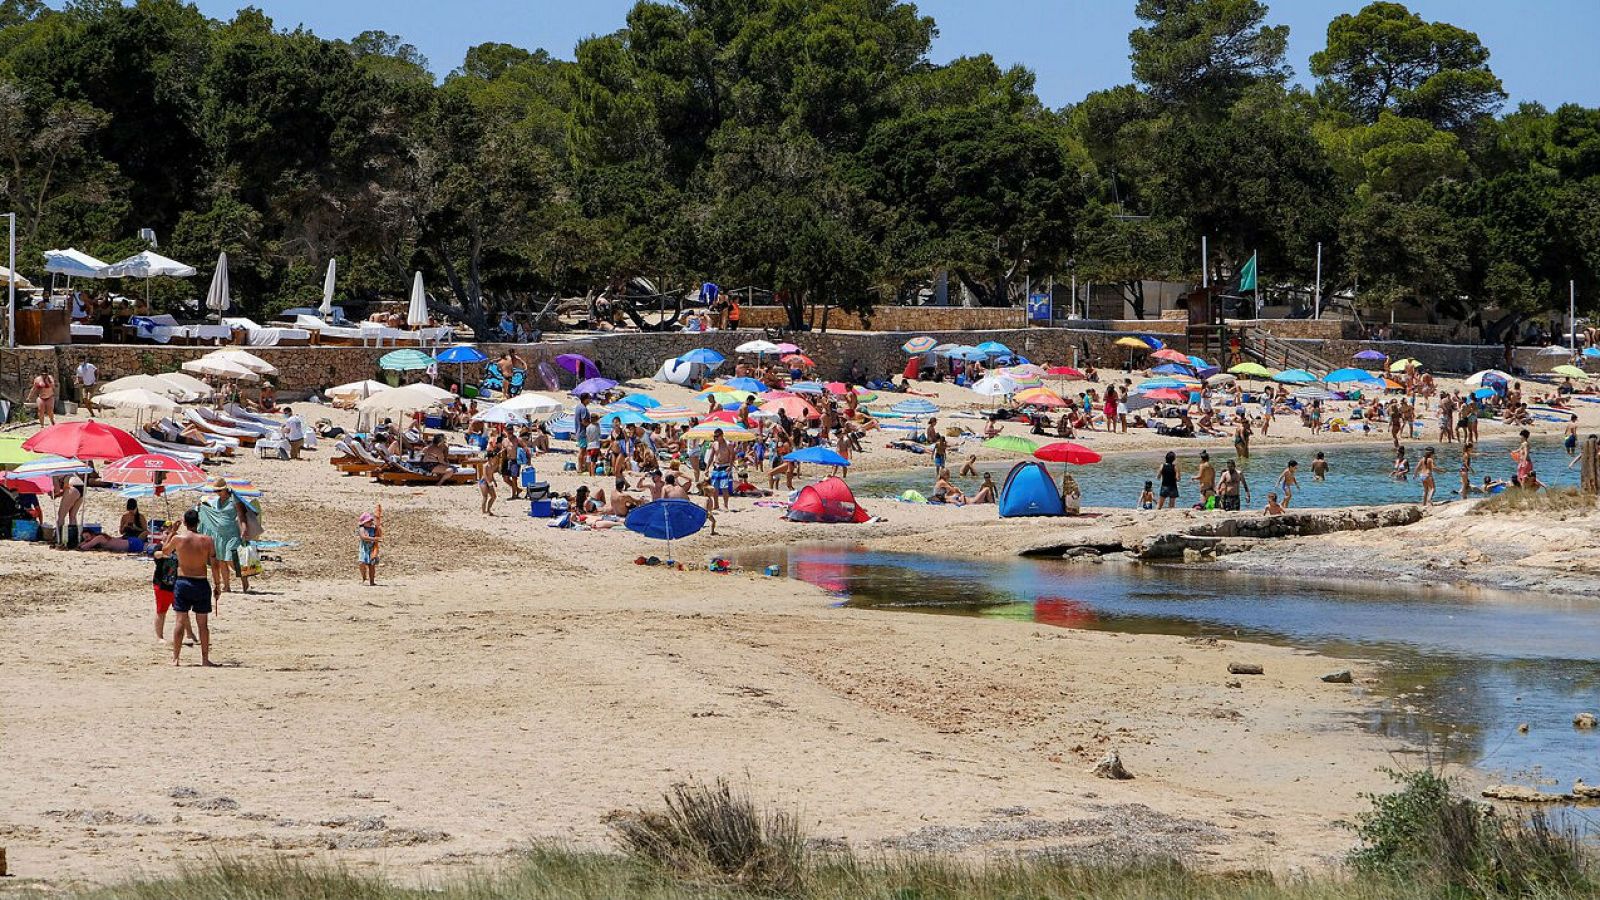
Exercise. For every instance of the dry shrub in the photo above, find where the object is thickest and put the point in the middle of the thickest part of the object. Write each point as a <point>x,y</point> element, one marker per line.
<point>715,834</point>
<point>1545,502</point>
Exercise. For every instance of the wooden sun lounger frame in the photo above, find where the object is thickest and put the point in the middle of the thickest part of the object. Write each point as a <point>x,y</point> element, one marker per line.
<point>403,476</point>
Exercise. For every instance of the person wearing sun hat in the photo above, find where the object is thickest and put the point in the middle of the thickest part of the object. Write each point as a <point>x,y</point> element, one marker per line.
<point>223,519</point>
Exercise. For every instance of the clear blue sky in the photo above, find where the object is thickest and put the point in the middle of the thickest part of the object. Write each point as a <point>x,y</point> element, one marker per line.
<point>1543,50</point>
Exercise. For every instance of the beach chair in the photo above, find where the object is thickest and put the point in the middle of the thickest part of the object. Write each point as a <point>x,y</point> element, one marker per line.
<point>395,474</point>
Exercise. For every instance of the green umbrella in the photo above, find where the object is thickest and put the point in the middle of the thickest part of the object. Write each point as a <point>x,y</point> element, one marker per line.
<point>1010,443</point>
<point>407,360</point>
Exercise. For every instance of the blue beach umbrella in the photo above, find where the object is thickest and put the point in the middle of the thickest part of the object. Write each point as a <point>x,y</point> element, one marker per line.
<point>820,455</point>
<point>1156,384</point>
<point>1371,355</point>
<point>1484,393</point>
<point>1347,376</point>
<point>1172,369</point>
<point>704,356</point>
<point>747,385</point>
<point>808,387</point>
<point>993,348</point>
<point>640,401</point>
<point>666,520</point>
<point>462,353</point>
<point>624,417</point>
<point>1295,376</point>
<point>914,408</point>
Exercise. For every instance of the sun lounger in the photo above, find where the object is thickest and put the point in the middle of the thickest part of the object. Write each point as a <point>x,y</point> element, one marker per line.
<point>184,452</point>
<point>246,438</point>
<point>397,473</point>
<point>355,459</point>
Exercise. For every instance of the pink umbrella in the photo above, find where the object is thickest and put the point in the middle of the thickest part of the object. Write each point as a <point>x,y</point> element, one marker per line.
<point>153,468</point>
<point>796,407</point>
<point>787,347</point>
<point>1171,355</point>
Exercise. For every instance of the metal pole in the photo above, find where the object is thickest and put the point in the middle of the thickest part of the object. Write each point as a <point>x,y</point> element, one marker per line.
<point>1205,266</point>
<point>11,282</point>
<point>1256,257</point>
<point>1318,296</point>
<point>1572,312</point>
<point>1073,310</point>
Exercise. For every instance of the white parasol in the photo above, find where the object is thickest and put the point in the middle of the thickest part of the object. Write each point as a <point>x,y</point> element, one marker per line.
<point>327,290</point>
<point>417,313</point>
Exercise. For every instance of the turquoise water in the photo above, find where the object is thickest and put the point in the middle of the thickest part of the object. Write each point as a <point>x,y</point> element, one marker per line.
<point>1359,473</point>
<point>1462,669</point>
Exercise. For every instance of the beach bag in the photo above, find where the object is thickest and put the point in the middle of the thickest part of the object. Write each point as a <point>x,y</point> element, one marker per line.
<point>249,560</point>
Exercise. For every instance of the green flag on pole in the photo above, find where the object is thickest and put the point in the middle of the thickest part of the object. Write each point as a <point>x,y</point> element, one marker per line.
<point>1247,275</point>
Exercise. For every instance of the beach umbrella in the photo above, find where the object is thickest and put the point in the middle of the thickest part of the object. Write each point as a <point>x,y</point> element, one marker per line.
<point>759,348</point>
<point>190,385</point>
<point>74,263</point>
<point>6,276</point>
<point>994,348</point>
<point>360,390</point>
<point>914,408</point>
<point>1040,397</point>
<point>84,440</point>
<point>402,399</point>
<point>994,386</point>
<point>1347,376</point>
<point>1295,376</point>
<point>1568,370</point>
<point>149,383</point>
<point>592,386</point>
<point>1487,377</point>
<point>798,359</point>
<point>494,415</point>
<point>1219,378</point>
<point>531,404</point>
<point>670,414</point>
<point>796,407</point>
<point>1199,363</point>
<point>244,358</point>
<point>417,309</point>
<point>1251,370</point>
<point>640,401</point>
<point>821,456</point>
<point>38,484</point>
<point>1484,393</point>
<point>786,347</point>
<point>666,520</point>
<point>941,349</point>
<point>1591,353</point>
<point>406,360</point>
<point>1555,350</point>
<point>1168,394</point>
<point>968,354</point>
<point>217,297</point>
<point>326,307</point>
<point>1064,372</point>
<point>1132,343</point>
<point>1011,443</point>
<point>581,366</point>
<point>1067,452</point>
<point>461,354</point>
<point>1371,356</point>
<point>624,417</point>
<point>733,434</point>
<point>1156,384</point>
<point>153,469</point>
<point>1173,369</point>
<point>150,264</point>
<point>703,356</point>
<point>1170,356</point>
<point>919,345</point>
<point>746,385</point>
<point>808,387</point>
<point>53,466</point>
<point>220,368</point>
<point>1400,365</point>
<point>12,454</point>
<point>137,400</point>
<point>723,416</point>
<point>1314,393</point>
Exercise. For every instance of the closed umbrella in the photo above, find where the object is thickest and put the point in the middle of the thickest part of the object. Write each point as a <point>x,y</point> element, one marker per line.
<point>326,307</point>
<point>417,311</point>
<point>217,299</point>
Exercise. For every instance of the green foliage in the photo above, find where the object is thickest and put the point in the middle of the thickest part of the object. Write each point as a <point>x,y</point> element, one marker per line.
<point>712,834</point>
<point>1387,58</point>
<point>806,146</point>
<point>1425,833</point>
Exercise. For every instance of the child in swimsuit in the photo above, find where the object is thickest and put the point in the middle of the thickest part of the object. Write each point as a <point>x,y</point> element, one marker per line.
<point>369,533</point>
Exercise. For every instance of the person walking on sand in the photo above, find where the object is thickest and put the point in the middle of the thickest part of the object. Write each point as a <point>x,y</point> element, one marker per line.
<point>190,591</point>
<point>369,535</point>
<point>85,377</point>
<point>224,519</point>
<point>1425,469</point>
<point>488,467</point>
<point>43,390</point>
<point>294,432</point>
<point>1168,477</point>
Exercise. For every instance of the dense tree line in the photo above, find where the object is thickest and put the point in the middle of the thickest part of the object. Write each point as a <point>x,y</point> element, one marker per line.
<point>808,146</point>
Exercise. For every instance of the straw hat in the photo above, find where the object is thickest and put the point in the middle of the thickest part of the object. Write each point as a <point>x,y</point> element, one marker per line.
<point>219,483</point>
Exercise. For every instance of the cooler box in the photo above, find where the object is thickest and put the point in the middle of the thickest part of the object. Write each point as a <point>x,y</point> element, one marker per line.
<point>28,529</point>
<point>481,441</point>
<point>529,478</point>
<point>539,509</point>
<point>538,490</point>
<point>434,422</point>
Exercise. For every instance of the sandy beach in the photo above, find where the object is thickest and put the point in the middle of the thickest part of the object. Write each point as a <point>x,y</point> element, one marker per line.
<point>507,682</point>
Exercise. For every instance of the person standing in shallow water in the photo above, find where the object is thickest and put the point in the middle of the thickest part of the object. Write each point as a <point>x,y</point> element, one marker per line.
<point>1168,476</point>
<point>1425,469</point>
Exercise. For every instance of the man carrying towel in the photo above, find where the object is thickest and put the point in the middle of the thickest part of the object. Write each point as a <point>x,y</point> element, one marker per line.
<point>191,593</point>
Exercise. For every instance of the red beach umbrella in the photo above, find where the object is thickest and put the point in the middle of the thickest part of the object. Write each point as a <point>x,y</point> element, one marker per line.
<point>154,468</point>
<point>84,440</point>
<point>1067,452</point>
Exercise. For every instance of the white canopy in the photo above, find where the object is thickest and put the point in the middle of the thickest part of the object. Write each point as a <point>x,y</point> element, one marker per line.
<point>359,389</point>
<point>137,399</point>
<point>531,405</point>
<point>222,368</point>
<point>217,298</point>
<point>404,399</point>
<point>244,358</point>
<point>758,347</point>
<point>5,278</point>
<point>143,383</point>
<point>191,385</point>
<point>74,263</point>
<point>417,312</point>
<point>327,289</point>
<point>148,264</point>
